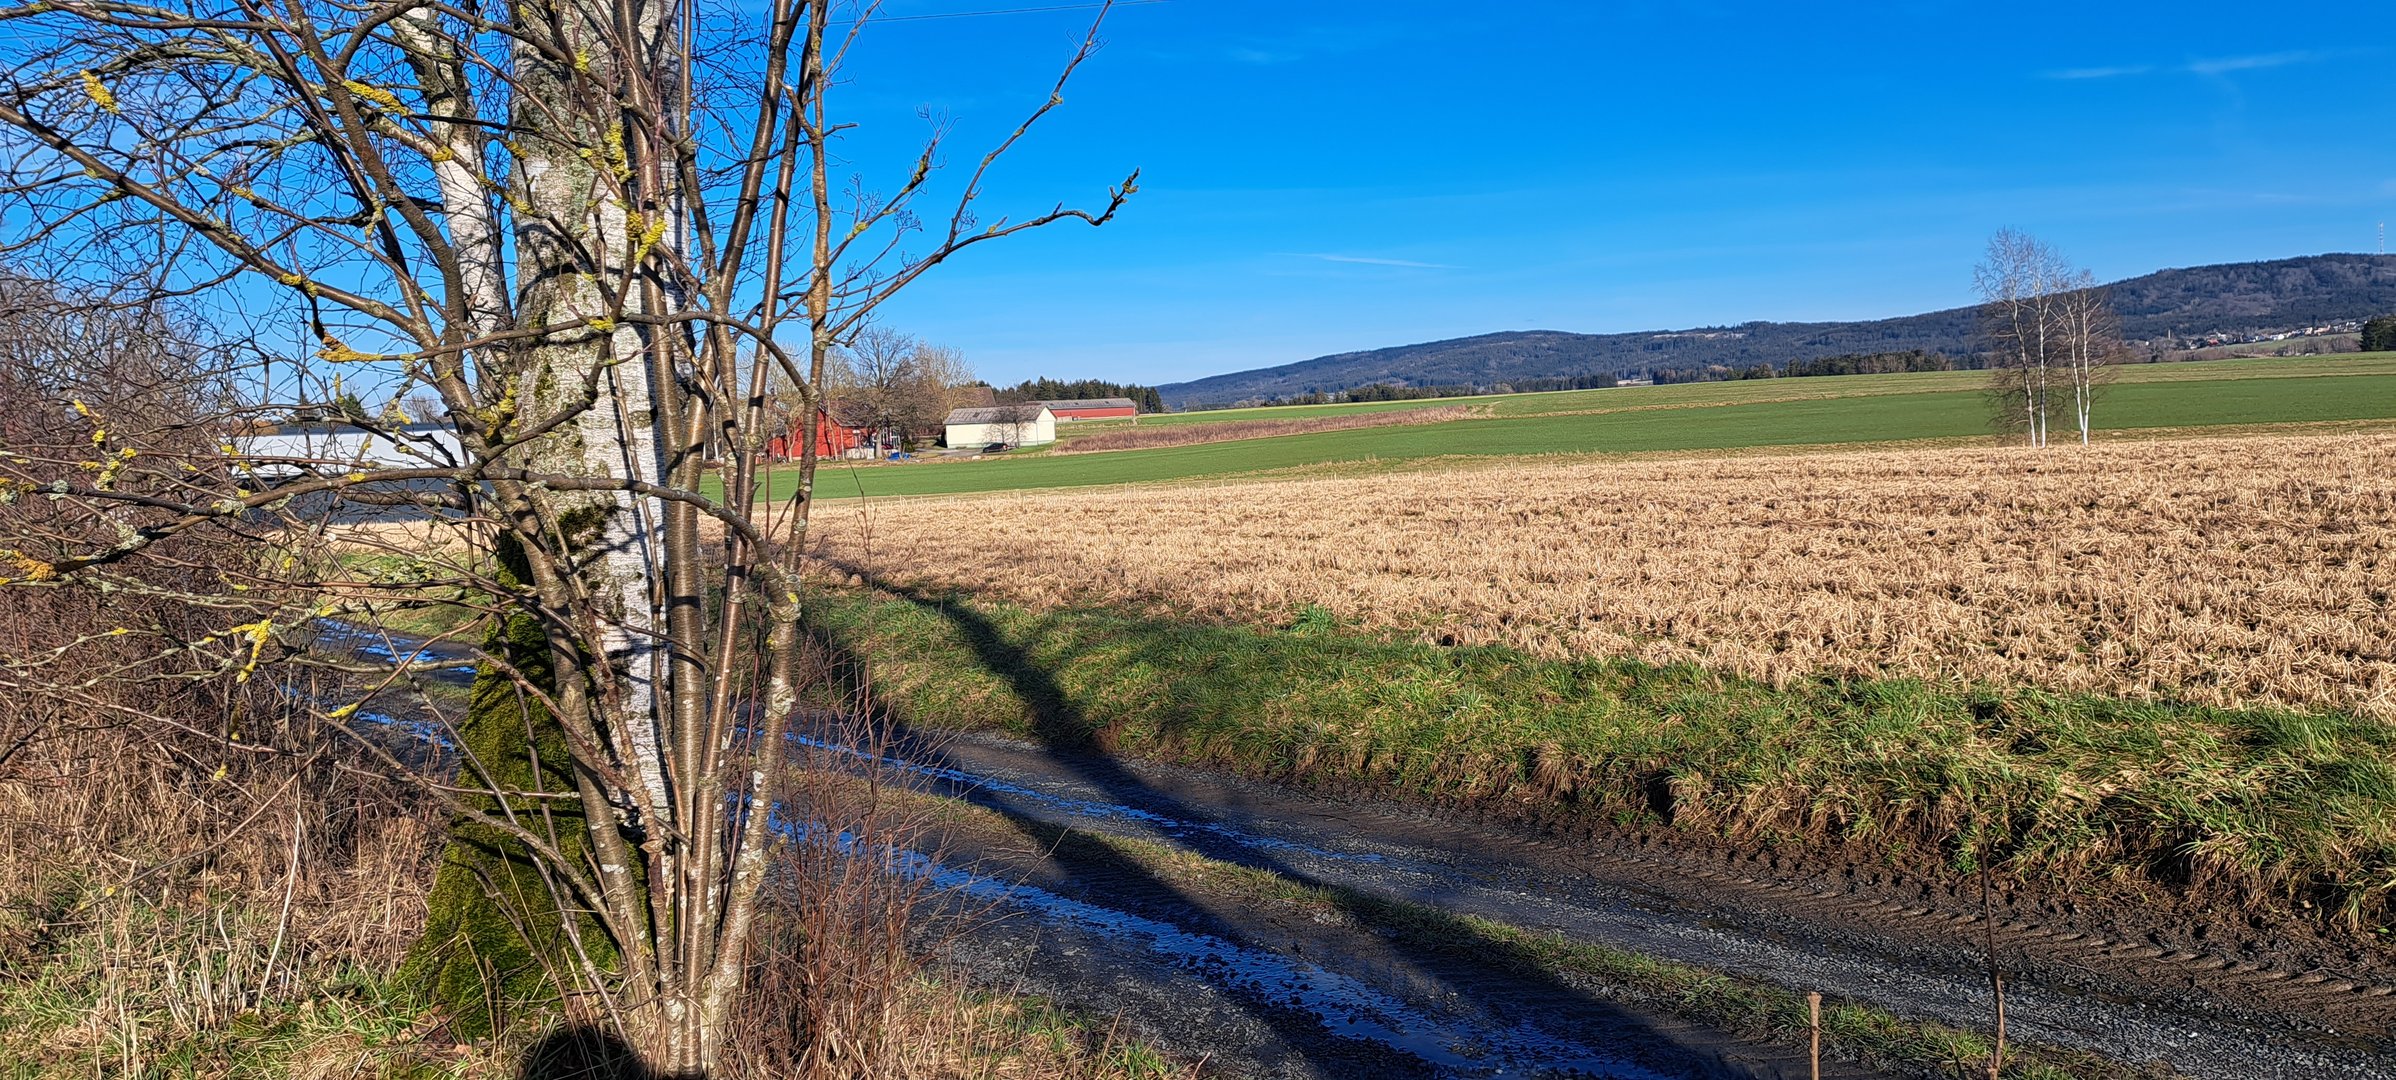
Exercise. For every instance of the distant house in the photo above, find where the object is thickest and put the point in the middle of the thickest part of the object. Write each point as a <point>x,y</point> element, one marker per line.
<point>1105,408</point>
<point>331,447</point>
<point>841,429</point>
<point>1028,424</point>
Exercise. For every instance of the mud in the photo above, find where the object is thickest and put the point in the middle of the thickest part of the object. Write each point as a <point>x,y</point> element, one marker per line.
<point>1917,958</point>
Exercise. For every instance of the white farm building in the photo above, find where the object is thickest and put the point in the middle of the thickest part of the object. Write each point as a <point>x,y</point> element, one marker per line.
<point>332,447</point>
<point>1029,424</point>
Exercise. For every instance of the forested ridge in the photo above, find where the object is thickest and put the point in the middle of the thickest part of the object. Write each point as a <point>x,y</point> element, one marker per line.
<point>2170,306</point>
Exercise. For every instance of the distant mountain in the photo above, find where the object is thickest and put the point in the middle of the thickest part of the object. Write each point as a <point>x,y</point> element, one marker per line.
<point>2233,301</point>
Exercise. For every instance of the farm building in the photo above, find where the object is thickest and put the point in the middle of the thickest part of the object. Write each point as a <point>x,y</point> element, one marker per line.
<point>1105,408</point>
<point>1028,424</point>
<point>331,447</point>
<point>835,435</point>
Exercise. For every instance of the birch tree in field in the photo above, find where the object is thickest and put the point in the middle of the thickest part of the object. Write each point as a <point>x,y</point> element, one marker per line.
<point>2051,337</point>
<point>2092,346</point>
<point>597,256</point>
<point>2022,325</point>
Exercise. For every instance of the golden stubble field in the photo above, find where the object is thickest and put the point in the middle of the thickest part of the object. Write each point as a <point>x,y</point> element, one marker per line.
<point>2230,571</point>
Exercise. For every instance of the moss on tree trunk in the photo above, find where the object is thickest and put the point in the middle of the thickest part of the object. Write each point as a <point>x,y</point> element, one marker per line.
<point>494,946</point>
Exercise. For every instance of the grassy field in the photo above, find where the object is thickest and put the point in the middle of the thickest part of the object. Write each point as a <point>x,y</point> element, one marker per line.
<point>2228,570</point>
<point>1779,412</point>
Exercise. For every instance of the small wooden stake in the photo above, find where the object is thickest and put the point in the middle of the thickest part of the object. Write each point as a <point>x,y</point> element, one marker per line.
<point>1813,1012</point>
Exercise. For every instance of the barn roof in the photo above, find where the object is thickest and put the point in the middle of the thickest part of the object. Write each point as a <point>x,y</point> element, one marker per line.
<point>1092,403</point>
<point>999,414</point>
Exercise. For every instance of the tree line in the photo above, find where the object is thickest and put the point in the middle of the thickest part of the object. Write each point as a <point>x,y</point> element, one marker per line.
<point>1387,391</point>
<point>1047,389</point>
<point>2379,334</point>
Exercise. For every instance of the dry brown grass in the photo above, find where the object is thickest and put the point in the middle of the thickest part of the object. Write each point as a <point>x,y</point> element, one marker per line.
<point>2234,571</point>
<point>1149,438</point>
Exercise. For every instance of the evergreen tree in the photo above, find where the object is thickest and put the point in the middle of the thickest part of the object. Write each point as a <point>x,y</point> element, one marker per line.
<point>2379,335</point>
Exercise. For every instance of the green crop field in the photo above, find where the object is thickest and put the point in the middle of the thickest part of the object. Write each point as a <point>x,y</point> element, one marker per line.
<point>1702,416</point>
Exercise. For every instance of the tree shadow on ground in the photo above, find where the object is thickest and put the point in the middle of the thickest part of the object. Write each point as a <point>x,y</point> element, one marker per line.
<point>1501,976</point>
<point>582,1052</point>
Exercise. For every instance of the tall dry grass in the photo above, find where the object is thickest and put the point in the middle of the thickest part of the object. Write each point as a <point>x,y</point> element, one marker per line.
<point>2229,571</point>
<point>1149,438</point>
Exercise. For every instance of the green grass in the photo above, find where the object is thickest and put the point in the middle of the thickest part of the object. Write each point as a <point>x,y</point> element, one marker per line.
<point>2257,807</point>
<point>1704,416</point>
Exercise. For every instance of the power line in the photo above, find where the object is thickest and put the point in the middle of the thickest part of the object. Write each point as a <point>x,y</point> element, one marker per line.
<point>1009,11</point>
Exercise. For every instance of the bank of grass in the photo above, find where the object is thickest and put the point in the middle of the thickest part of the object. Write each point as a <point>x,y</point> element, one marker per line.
<point>2257,808</point>
<point>144,987</point>
<point>1707,416</point>
<point>248,953</point>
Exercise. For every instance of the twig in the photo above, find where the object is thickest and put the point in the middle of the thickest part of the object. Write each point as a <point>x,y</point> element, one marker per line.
<point>1813,1012</point>
<point>1996,977</point>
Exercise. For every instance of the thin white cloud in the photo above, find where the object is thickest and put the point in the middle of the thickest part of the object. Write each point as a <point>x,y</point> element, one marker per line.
<point>1369,260</point>
<point>2225,64</point>
<point>2218,65</point>
<point>1247,55</point>
<point>2100,72</point>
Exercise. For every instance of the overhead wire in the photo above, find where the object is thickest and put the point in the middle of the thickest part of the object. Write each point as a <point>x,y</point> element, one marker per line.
<point>1010,11</point>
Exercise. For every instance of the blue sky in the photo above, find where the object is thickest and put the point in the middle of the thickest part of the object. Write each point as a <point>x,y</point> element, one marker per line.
<point>1326,176</point>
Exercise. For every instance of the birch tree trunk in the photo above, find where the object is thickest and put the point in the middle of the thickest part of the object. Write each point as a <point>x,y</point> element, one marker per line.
<point>513,209</point>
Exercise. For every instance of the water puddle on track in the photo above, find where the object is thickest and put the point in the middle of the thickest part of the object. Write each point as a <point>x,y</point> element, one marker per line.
<point>371,644</point>
<point>1001,792</point>
<point>1453,1042</point>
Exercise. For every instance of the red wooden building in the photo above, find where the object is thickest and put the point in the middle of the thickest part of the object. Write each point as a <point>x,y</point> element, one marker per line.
<point>1092,408</point>
<point>832,439</point>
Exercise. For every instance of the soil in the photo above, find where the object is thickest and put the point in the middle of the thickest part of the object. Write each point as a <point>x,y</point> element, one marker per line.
<point>2167,991</point>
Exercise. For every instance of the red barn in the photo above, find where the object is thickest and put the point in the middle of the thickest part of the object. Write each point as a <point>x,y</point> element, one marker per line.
<point>1105,408</point>
<point>832,439</point>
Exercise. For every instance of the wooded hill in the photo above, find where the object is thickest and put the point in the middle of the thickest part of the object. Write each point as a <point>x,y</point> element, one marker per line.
<point>2170,307</point>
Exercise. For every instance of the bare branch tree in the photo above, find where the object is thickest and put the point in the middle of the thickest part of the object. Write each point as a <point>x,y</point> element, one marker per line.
<point>2022,323</point>
<point>592,253</point>
<point>898,382</point>
<point>2049,330</point>
<point>2092,346</point>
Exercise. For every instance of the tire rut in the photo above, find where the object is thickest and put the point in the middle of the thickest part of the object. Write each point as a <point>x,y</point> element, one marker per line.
<point>1894,942</point>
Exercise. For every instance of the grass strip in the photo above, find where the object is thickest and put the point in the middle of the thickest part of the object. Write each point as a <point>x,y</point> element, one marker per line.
<point>2270,810</point>
<point>1841,410</point>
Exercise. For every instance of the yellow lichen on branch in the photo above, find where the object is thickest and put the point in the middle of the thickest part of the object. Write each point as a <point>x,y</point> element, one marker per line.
<point>384,99</point>
<point>338,353</point>
<point>99,93</point>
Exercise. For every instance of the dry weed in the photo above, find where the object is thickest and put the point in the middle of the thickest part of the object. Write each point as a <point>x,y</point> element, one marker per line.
<point>1148,438</point>
<point>2232,571</point>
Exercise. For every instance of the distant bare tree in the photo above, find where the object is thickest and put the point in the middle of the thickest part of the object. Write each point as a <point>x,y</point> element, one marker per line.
<point>899,382</point>
<point>2034,307</point>
<point>2092,347</point>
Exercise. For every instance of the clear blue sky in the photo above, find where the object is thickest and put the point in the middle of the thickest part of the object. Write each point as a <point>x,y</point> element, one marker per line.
<point>1326,176</point>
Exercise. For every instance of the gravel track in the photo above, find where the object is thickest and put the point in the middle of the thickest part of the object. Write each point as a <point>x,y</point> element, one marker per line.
<point>2193,1013</point>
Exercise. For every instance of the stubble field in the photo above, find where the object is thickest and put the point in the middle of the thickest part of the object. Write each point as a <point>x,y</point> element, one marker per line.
<point>2233,571</point>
